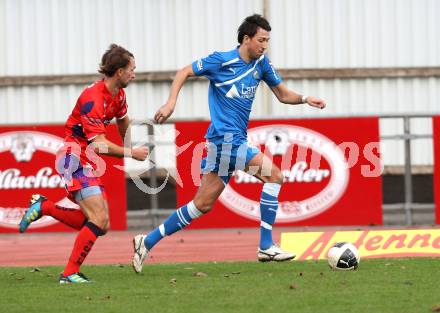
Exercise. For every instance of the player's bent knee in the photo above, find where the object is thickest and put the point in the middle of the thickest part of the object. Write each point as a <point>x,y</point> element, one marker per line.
<point>101,220</point>
<point>203,206</point>
<point>103,224</point>
<point>277,178</point>
<point>280,178</point>
<point>105,228</point>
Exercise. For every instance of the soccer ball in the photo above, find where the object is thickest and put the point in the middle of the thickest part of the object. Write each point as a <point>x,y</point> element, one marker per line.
<point>343,256</point>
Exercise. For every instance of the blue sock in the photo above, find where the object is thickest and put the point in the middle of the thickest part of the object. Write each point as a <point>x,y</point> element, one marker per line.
<point>175,222</point>
<point>268,213</point>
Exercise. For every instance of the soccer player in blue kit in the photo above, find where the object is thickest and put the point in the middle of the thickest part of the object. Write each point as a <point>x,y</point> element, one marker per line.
<point>234,77</point>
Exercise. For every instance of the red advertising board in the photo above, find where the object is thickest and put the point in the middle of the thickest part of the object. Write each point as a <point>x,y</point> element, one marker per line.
<point>332,173</point>
<point>27,166</point>
<point>436,140</point>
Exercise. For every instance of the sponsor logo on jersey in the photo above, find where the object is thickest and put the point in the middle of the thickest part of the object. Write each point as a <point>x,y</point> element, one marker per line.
<point>244,93</point>
<point>233,92</point>
<point>248,92</point>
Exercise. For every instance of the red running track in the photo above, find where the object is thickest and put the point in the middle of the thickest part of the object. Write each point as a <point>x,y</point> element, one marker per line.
<point>40,249</point>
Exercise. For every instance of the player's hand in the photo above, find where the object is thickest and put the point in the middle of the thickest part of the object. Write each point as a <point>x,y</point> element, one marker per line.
<point>140,153</point>
<point>163,113</point>
<point>316,102</point>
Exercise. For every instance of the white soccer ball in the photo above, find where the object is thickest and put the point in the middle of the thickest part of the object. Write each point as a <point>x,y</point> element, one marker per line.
<point>343,256</point>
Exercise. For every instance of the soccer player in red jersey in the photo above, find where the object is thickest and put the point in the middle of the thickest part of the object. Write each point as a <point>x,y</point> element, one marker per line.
<point>78,163</point>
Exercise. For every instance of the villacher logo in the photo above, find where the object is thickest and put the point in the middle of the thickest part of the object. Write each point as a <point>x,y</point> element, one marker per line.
<point>322,173</point>
<point>27,159</point>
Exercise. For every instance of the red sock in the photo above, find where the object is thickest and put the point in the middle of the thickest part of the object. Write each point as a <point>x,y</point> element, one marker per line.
<point>70,217</point>
<point>83,244</point>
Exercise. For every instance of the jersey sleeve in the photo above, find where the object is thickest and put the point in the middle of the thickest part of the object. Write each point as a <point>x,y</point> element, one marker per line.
<point>92,116</point>
<point>123,109</point>
<point>208,65</point>
<point>270,75</point>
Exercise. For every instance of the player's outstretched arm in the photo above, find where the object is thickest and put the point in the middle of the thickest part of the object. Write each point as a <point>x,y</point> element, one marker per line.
<point>285,95</point>
<point>167,109</point>
<point>104,146</point>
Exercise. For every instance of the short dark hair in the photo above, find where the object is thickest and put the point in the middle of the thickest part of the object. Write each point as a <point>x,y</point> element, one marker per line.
<point>250,25</point>
<point>114,58</point>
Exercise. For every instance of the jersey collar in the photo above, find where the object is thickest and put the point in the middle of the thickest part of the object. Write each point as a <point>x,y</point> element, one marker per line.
<point>107,94</point>
<point>239,56</point>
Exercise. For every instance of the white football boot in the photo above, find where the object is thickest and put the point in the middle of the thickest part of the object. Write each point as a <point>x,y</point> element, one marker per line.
<point>274,253</point>
<point>140,253</point>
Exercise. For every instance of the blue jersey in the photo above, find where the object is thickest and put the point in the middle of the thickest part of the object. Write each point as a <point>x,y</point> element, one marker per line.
<point>232,88</point>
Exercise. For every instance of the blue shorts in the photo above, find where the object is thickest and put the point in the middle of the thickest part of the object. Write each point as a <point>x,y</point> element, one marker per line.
<point>225,157</point>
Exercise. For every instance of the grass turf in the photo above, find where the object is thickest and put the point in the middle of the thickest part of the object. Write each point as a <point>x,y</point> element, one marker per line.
<point>379,285</point>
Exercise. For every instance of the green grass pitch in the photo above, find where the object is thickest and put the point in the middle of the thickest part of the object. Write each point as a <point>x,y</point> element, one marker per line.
<point>379,285</point>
